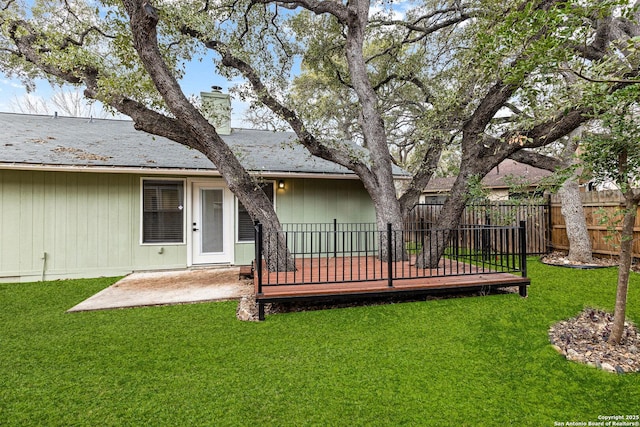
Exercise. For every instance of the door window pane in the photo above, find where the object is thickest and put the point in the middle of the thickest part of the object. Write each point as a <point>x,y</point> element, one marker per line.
<point>212,221</point>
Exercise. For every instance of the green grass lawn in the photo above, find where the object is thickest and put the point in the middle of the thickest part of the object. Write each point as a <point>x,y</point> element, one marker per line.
<point>480,361</point>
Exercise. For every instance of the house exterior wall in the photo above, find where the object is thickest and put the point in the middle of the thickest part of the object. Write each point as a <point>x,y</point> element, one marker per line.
<point>498,194</point>
<point>68,225</point>
<point>71,224</point>
<point>494,194</point>
<point>316,201</point>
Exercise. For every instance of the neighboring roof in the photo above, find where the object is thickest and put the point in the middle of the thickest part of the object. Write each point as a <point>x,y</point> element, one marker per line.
<point>36,140</point>
<point>495,179</point>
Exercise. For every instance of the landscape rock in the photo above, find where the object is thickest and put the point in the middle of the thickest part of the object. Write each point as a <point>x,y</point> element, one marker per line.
<point>572,354</point>
<point>247,309</point>
<point>584,338</point>
<point>560,258</point>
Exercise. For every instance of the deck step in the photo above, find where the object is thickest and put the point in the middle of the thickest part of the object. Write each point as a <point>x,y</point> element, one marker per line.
<point>246,272</point>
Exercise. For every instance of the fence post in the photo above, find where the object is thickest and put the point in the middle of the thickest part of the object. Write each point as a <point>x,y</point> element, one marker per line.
<point>549,233</point>
<point>258,248</point>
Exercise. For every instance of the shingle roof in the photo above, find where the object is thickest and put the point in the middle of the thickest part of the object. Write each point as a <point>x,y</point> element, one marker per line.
<point>496,177</point>
<point>64,141</point>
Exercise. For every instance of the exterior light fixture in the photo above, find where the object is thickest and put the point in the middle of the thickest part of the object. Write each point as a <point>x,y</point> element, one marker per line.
<point>281,184</point>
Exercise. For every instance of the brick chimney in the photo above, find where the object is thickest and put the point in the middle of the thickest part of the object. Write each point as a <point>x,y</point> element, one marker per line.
<point>216,107</point>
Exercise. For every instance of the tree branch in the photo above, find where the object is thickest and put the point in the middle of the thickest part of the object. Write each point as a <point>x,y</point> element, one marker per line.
<point>312,144</point>
<point>334,8</point>
<point>424,32</point>
<point>8,4</point>
<point>594,80</point>
<point>25,48</point>
<point>144,119</point>
<point>421,178</point>
<point>536,160</point>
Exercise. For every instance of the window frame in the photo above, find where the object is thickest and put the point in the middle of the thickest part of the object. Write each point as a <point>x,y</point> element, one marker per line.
<point>184,210</point>
<point>237,240</point>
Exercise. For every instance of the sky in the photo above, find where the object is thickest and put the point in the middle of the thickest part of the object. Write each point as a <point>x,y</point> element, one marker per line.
<point>199,77</point>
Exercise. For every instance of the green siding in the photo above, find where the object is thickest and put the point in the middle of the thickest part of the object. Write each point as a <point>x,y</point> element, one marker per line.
<point>10,226</point>
<point>88,224</point>
<point>316,201</point>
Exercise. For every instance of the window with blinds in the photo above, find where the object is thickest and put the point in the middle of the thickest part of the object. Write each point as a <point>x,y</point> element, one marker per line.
<point>163,211</point>
<point>245,223</point>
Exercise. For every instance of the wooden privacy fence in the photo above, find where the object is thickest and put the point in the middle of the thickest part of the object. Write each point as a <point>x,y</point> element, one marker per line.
<point>605,235</point>
<point>505,214</point>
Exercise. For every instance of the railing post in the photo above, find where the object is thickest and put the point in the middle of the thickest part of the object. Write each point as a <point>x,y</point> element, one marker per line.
<point>456,243</point>
<point>390,255</point>
<point>335,237</point>
<point>486,234</point>
<point>258,247</point>
<point>523,256</point>
<point>523,248</point>
<point>421,235</point>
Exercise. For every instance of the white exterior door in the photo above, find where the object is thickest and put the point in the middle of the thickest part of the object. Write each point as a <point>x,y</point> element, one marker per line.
<point>211,224</point>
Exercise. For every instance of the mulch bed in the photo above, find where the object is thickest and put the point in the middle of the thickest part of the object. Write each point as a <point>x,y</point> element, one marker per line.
<point>584,339</point>
<point>560,259</point>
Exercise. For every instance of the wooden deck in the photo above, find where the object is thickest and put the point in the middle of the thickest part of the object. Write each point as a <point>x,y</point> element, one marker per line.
<point>330,278</point>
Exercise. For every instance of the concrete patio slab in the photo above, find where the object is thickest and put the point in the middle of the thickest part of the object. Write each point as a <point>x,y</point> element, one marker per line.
<point>169,287</point>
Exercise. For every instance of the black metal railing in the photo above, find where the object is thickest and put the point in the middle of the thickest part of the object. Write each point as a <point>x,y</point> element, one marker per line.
<point>328,238</point>
<point>333,252</point>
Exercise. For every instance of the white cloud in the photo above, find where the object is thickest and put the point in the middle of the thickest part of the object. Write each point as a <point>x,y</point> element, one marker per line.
<point>396,11</point>
<point>396,15</point>
<point>11,83</point>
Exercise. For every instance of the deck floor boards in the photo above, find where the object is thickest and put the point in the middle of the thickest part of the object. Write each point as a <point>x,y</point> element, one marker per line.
<point>328,276</point>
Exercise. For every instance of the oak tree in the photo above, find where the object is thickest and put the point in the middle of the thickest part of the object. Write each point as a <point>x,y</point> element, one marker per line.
<point>612,154</point>
<point>410,79</point>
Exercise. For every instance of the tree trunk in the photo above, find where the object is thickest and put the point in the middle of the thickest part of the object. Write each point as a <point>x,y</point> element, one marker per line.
<point>577,232</point>
<point>144,20</point>
<point>437,238</point>
<point>626,248</point>
<point>275,251</point>
<point>388,212</point>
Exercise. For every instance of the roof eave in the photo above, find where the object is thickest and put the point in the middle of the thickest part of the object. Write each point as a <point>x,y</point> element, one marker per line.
<point>166,171</point>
